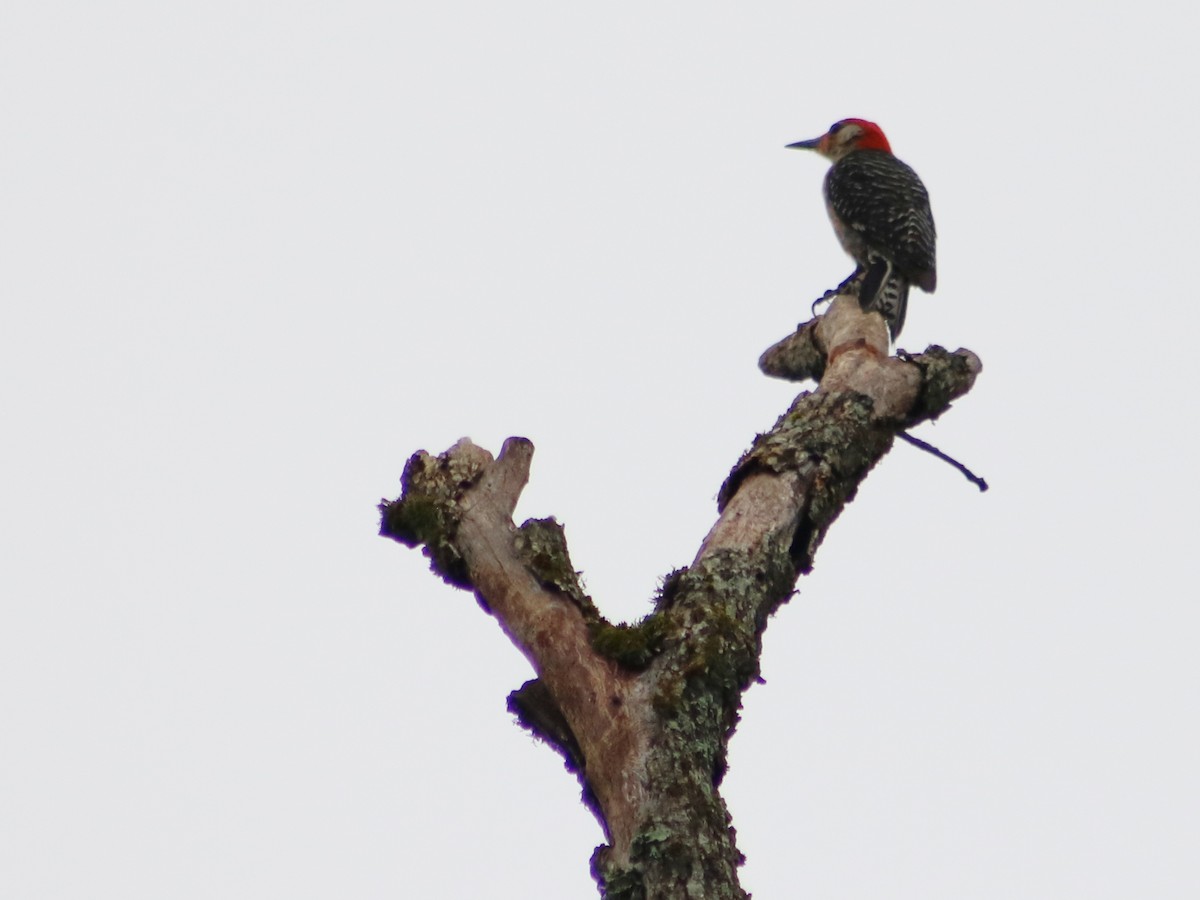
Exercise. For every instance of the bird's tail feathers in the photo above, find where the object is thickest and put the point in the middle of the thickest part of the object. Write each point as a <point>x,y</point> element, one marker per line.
<point>886,292</point>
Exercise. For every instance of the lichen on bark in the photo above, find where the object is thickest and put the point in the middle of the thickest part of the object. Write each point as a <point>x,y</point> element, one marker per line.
<point>427,511</point>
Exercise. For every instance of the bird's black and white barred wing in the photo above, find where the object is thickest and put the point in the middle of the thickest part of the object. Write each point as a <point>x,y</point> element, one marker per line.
<point>882,200</point>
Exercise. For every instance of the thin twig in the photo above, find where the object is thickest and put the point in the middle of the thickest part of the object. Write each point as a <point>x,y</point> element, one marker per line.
<point>929,448</point>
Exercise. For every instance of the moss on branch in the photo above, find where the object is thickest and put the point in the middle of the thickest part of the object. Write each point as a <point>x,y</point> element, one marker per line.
<point>542,546</point>
<point>428,512</point>
<point>945,377</point>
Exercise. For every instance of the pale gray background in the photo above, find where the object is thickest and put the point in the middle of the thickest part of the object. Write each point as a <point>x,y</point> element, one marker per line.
<point>253,255</point>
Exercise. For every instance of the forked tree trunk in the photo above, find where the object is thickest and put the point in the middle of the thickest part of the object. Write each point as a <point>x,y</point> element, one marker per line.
<point>643,713</point>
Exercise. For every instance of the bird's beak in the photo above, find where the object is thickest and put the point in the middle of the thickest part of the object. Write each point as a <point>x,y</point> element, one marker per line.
<point>814,144</point>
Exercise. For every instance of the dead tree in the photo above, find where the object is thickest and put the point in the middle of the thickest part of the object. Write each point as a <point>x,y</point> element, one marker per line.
<point>643,713</point>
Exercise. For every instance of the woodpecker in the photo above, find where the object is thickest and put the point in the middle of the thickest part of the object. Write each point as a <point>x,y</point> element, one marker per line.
<point>880,211</point>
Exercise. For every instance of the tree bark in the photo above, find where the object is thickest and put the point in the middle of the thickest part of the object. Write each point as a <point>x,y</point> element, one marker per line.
<point>643,713</point>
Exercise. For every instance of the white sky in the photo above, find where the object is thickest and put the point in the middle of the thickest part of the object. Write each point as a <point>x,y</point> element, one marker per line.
<point>253,255</point>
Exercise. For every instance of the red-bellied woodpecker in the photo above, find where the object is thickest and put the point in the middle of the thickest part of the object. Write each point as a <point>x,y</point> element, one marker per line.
<point>880,211</point>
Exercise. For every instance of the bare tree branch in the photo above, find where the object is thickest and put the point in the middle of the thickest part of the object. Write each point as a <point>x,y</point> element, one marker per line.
<point>643,713</point>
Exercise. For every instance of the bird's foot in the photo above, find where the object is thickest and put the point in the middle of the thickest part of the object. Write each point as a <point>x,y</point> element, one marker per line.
<point>827,297</point>
<point>851,282</point>
<point>849,287</point>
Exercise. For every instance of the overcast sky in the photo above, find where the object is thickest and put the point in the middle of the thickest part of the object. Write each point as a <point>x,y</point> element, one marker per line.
<point>253,255</point>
